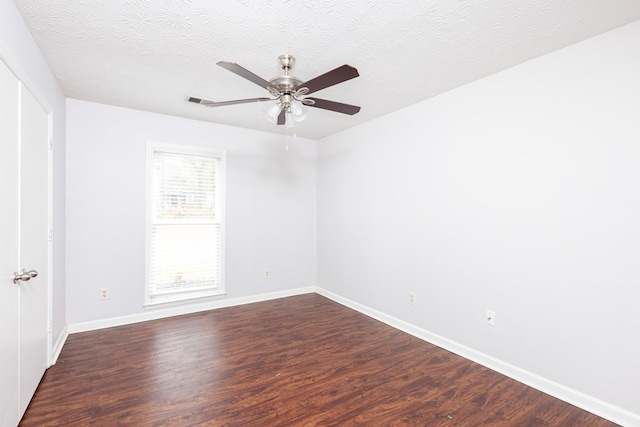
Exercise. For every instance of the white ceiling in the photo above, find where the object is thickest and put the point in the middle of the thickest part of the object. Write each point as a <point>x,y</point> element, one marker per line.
<point>152,54</point>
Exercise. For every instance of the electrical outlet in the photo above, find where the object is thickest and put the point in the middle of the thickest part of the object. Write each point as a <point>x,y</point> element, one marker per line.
<point>267,274</point>
<point>412,298</point>
<point>104,293</point>
<point>491,318</point>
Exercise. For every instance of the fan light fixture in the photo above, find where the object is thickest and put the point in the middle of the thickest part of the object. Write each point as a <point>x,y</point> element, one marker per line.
<point>294,113</point>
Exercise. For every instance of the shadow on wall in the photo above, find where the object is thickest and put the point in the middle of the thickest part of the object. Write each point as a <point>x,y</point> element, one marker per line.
<point>279,158</point>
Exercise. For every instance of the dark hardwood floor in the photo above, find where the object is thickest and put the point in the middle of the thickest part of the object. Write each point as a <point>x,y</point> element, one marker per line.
<point>298,361</point>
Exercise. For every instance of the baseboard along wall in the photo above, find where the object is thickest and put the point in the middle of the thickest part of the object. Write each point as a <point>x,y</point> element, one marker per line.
<point>169,310</point>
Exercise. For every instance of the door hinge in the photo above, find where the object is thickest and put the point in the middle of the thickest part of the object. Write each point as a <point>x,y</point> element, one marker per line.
<point>49,328</point>
<point>50,235</point>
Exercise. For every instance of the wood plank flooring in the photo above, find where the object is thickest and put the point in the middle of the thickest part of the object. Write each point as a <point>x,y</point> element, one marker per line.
<point>298,361</point>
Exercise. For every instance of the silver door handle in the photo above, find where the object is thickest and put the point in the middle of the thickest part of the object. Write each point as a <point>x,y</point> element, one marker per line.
<point>24,276</point>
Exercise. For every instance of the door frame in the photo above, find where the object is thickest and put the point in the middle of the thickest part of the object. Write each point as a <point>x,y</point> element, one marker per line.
<point>28,84</point>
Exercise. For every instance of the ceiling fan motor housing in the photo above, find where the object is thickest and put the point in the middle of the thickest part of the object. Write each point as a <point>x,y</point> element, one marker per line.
<point>285,83</point>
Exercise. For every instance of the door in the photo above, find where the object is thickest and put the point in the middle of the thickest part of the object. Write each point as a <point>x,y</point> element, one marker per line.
<point>34,244</point>
<point>24,244</point>
<point>9,298</point>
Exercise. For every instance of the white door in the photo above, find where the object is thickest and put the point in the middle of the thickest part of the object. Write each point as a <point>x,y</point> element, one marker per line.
<point>34,243</point>
<point>24,244</point>
<point>9,298</point>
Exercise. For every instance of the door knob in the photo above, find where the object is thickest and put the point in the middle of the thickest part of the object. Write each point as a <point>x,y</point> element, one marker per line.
<point>24,276</point>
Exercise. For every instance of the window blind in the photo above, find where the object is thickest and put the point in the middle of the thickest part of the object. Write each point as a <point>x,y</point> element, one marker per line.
<point>185,230</point>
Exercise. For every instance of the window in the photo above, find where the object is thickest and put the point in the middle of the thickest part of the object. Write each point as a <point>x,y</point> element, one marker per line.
<point>185,228</point>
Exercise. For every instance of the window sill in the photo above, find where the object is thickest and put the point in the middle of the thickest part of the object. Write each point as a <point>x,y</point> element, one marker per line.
<point>175,300</point>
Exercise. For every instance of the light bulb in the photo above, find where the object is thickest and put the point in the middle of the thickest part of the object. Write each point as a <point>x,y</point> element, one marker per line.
<point>271,113</point>
<point>298,111</point>
<point>289,120</point>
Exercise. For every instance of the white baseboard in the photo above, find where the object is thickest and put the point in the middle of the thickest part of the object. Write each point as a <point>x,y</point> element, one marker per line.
<point>57,347</point>
<point>574,397</point>
<point>176,310</point>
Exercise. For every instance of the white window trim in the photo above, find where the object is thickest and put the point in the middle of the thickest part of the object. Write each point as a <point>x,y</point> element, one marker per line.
<point>153,146</point>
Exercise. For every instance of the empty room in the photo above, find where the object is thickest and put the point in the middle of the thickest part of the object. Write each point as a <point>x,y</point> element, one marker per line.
<point>301,213</point>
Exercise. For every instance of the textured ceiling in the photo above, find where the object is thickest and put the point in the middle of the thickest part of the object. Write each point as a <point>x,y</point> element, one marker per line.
<point>152,54</point>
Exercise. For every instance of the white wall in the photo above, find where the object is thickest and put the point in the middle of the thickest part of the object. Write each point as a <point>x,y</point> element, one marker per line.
<point>17,44</point>
<point>518,193</point>
<point>271,207</point>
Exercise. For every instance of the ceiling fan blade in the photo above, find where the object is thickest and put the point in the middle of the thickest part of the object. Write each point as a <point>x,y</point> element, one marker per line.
<point>243,72</point>
<point>330,78</point>
<point>223,103</point>
<point>334,106</point>
<point>281,118</point>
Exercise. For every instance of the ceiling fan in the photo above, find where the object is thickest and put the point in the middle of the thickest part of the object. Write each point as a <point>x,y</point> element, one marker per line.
<point>289,92</point>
